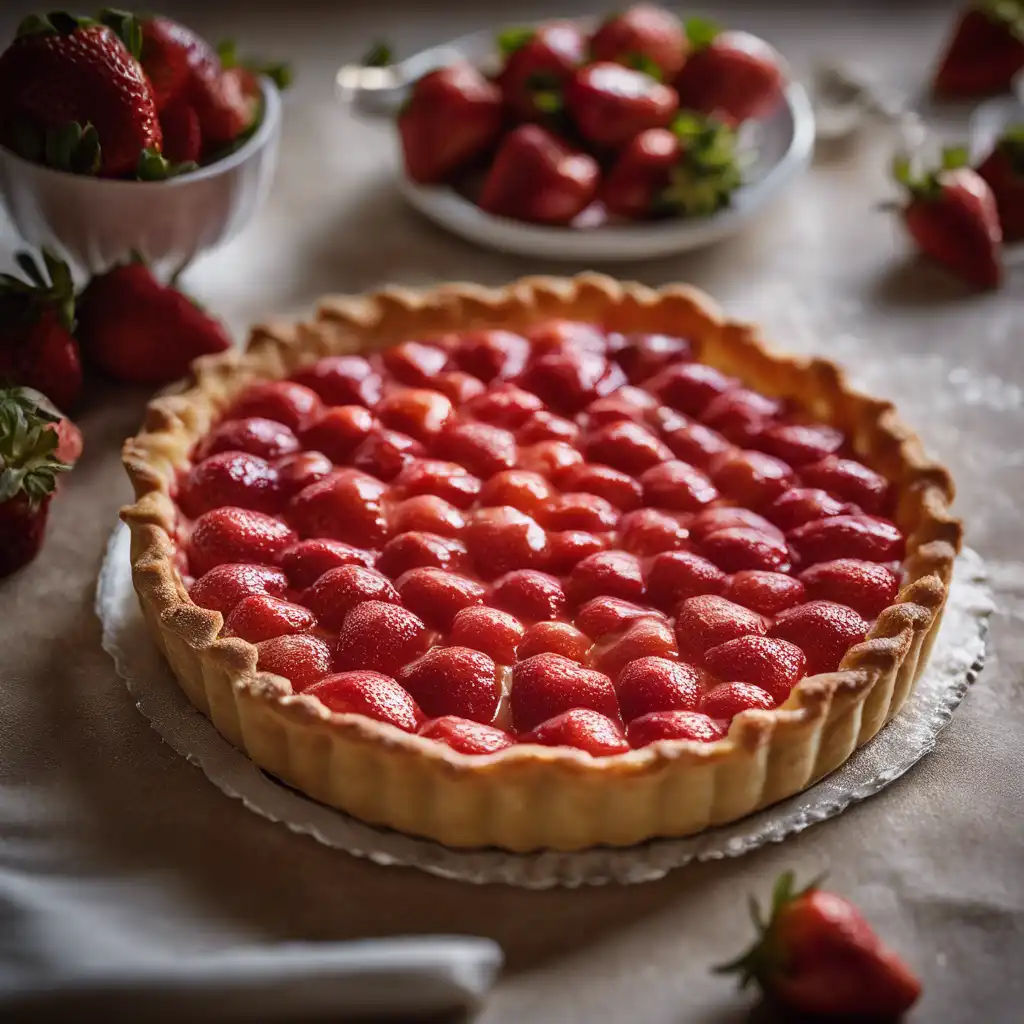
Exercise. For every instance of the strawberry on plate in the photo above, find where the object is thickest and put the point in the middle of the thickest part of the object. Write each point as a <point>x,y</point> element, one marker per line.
<point>538,62</point>
<point>74,96</point>
<point>726,74</point>
<point>175,60</point>
<point>610,104</point>
<point>452,118</point>
<point>951,215</point>
<point>816,954</point>
<point>985,52</point>
<point>37,316</point>
<point>641,173</point>
<point>1003,169</point>
<point>537,177</point>
<point>30,448</point>
<point>139,331</point>
<point>644,37</point>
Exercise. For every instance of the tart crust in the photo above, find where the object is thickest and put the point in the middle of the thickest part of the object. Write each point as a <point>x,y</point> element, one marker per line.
<point>529,797</point>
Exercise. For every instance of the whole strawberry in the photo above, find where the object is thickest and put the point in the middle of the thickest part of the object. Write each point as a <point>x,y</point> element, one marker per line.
<point>29,464</point>
<point>176,61</point>
<point>985,52</point>
<point>724,75</point>
<point>816,954</point>
<point>538,62</point>
<point>140,331</point>
<point>707,171</point>
<point>951,214</point>
<point>1003,169</point>
<point>74,96</point>
<point>37,316</point>
<point>453,117</point>
<point>644,37</point>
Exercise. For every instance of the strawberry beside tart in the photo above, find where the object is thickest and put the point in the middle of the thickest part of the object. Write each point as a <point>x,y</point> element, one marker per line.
<point>566,563</point>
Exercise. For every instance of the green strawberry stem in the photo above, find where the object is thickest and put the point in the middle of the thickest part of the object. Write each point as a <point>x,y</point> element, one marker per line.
<point>511,39</point>
<point>641,62</point>
<point>126,27</point>
<point>708,171</point>
<point>279,73</point>
<point>28,445</point>
<point>154,166</point>
<point>701,32</point>
<point>53,23</point>
<point>1009,12</point>
<point>379,55</point>
<point>1012,145</point>
<point>48,287</point>
<point>928,184</point>
<point>72,147</point>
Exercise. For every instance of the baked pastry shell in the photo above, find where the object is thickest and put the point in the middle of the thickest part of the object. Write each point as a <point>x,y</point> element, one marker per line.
<point>530,797</point>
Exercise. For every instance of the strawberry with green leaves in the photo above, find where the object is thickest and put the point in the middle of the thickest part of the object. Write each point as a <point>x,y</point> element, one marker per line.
<point>74,96</point>
<point>951,215</point>
<point>139,331</point>
<point>985,52</point>
<point>538,63</point>
<point>1003,169</point>
<point>643,37</point>
<point>816,954</point>
<point>727,75</point>
<point>37,317</point>
<point>30,449</point>
<point>453,117</point>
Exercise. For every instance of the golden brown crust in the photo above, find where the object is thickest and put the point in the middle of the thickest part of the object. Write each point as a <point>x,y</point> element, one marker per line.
<point>529,797</point>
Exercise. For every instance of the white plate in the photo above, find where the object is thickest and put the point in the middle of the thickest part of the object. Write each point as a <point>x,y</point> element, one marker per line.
<point>784,141</point>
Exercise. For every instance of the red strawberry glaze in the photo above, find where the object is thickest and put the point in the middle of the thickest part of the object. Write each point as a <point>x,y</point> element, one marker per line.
<point>496,538</point>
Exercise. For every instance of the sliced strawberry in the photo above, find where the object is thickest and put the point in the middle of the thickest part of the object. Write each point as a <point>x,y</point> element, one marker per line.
<point>657,684</point>
<point>673,725</point>
<point>582,728</point>
<point>483,449</point>
<point>519,489</point>
<point>458,387</point>
<point>281,400</point>
<point>691,441</point>
<point>538,177</point>
<point>688,387</point>
<point>295,472</point>
<point>765,592</point>
<point>302,658</point>
<point>603,615</point>
<point>866,587</point>
<point>798,443</point>
<point>567,337</point>
<point>677,485</point>
<point>225,586</point>
<point>626,446</point>
<point>644,638</point>
<point>437,595</point>
<point>503,539</point>
<point>346,506</point>
<point>338,431</point>
<point>306,561</point>
<point>569,380</point>
<point>774,665</point>
<point>607,574</point>
<point>649,531</point>
<point>643,355</point>
<point>546,426</point>
<point>385,453</point>
<point>259,618</point>
<point>426,513</point>
<point>984,54</point>
<point>674,576</point>
<point>825,631</point>
<point>258,436</point>
<point>529,595</point>
<point>230,478</point>
<point>751,478</point>
<point>742,415</point>
<point>627,403</point>
<point>951,215</point>
<point>645,37</point>
<point>567,548</point>
<point>419,412</point>
<point>726,701</point>
<point>342,380</point>
<point>728,517</point>
<point>546,685</point>
<point>504,405</point>
<point>865,537</point>
<point>236,535</point>
<point>415,549</point>
<point>708,620</point>
<point>616,487</point>
<point>452,118</point>
<point>454,681</point>
<point>496,633</point>
<point>848,480</point>
<point>372,694</point>
<point>447,480</point>
<point>338,591</point>
<point>414,363</point>
<point>741,547</point>
<point>554,638</point>
<point>492,354</point>
<point>465,736</point>
<point>380,636</point>
<point>799,505</point>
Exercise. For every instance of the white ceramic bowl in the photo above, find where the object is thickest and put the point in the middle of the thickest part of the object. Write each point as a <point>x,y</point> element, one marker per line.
<point>96,222</point>
<point>784,141</point>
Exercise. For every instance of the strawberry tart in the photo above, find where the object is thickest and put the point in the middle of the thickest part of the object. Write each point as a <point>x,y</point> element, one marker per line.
<point>567,563</point>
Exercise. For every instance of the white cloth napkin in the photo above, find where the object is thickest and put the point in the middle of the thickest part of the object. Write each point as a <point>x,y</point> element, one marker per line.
<point>65,954</point>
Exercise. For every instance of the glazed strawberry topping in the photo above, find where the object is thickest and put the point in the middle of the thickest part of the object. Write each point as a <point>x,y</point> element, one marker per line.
<point>564,536</point>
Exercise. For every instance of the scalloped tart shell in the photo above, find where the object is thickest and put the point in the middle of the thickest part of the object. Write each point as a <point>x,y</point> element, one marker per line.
<point>528,797</point>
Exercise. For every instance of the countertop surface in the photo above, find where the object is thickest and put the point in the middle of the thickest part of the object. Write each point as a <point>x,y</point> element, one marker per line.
<point>91,800</point>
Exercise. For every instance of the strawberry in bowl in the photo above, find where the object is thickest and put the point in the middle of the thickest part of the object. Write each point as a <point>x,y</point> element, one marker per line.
<point>636,136</point>
<point>107,114</point>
